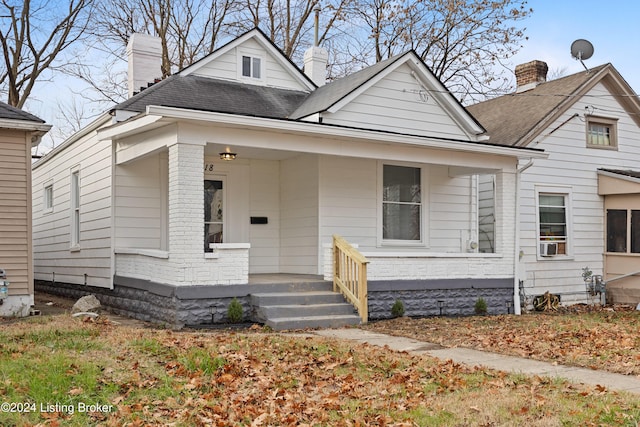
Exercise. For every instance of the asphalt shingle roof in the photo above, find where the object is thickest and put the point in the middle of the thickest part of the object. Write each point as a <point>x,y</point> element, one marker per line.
<point>13,113</point>
<point>509,118</point>
<point>325,96</point>
<point>207,94</point>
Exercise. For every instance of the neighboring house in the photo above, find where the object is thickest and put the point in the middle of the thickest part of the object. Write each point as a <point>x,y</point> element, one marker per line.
<point>580,206</point>
<point>19,132</point>
<point>240,165</point>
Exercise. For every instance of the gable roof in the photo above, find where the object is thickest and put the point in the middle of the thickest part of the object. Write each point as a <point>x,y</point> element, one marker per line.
<point>332,96</point>
<point>223,96</point>
<point>517,119</point>
<point>9,112</point>
<point>326,96</point>
<point>262,39</point>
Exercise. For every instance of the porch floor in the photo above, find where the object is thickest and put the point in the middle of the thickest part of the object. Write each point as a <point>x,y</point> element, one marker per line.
<point>272,278</point>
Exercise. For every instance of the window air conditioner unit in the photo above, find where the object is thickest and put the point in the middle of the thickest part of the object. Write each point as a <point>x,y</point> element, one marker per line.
<point>548,249</point>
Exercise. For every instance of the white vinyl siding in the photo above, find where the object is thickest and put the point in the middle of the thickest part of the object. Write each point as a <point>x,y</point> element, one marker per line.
<point>15,210</point>
<point>395,104</point>
<point>228,67</point>
<point>140,203</point>
<point>354,211</point>
<point>571,163</point>
<point>52,233</point>
<point>265,202</point>
<point>299,215</point>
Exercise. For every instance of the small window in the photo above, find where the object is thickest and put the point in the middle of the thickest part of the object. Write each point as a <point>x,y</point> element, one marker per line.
<point>601,132</point>
<point>251,67</point>
<point>75,208</point>
<point>552,217</point>
<point>48,198</point>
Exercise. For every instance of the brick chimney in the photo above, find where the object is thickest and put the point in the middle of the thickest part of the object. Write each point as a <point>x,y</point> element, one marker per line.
<point>144,55</point>
<point>529,75</point>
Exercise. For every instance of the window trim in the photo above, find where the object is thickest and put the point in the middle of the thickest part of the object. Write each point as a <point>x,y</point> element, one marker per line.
<point>47,197</point>
<point>611,123</point>
<point>424,235</point>
<point>252,56</point>
<point>555,191</point>
<point>75,192</point>
<point>222,178</point>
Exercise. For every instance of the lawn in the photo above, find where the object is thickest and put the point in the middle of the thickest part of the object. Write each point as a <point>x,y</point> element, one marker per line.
<point>60,371</point>
<point>581,335</point>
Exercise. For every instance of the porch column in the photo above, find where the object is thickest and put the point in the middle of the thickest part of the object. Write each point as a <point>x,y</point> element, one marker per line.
<point>505,211</point>
<point>186,206</point>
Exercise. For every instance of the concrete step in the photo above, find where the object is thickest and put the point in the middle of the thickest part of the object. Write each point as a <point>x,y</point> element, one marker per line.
<point>333,321</point>
<point>296,298</point>
<point>301,308</point>
<point>277,311</point>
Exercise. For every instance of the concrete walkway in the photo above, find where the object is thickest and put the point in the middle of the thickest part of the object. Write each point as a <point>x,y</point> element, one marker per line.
<point>499,362</point>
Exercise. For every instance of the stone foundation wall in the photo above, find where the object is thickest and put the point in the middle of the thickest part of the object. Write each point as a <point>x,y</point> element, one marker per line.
<point>420,298</point>
<point>157,303</point>
<point>179,306</point>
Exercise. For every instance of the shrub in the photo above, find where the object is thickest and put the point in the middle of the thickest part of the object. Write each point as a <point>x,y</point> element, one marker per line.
<point>397,310</point>
<point>235,311</point>
<point>481,306</point>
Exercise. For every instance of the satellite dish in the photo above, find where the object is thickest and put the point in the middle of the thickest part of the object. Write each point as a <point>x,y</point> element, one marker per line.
<point>582,49</point>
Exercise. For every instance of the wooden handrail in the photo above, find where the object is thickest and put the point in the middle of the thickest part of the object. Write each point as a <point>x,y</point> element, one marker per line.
<point>350,275</point>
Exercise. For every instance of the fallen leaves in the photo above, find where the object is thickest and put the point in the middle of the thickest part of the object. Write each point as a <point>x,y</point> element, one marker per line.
<point>578,335</point>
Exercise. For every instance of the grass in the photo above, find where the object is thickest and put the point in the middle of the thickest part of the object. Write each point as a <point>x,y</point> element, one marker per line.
<point>160,377</point>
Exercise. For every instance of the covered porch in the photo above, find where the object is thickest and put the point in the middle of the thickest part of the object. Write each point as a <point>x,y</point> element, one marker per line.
<point>186,215</point>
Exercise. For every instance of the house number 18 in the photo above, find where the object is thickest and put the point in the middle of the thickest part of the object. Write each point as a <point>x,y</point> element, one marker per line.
<point>208,167</point>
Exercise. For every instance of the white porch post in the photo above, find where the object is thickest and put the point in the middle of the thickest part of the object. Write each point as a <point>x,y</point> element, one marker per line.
<point>186,207</point>
<point>506,209</point>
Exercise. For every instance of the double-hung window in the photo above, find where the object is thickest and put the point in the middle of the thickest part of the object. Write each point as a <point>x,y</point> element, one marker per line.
<point>251,66</point>
<point>553,223</point>
<point>401,204</point>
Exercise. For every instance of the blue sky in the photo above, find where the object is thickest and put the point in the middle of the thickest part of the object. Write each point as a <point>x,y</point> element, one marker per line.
<point>611,26</point>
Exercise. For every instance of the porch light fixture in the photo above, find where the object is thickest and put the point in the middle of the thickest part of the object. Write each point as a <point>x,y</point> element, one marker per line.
<point>440,305</point>
<point>228,156</point>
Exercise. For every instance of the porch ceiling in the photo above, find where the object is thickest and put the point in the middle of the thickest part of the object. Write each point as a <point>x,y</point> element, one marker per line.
<point>213,150</point>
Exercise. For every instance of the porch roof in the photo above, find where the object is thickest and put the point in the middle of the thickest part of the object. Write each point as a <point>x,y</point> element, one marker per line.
<point>207,94</point>
<point>333,136</point>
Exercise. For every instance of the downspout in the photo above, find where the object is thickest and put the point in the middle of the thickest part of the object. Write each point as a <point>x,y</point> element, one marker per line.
<point>516,280</point>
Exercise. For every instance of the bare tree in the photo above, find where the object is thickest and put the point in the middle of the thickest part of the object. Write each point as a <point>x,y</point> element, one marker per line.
<point>33,35</point>
<point>287,23</point>
<point>464,42</point>
<point>188,29</point>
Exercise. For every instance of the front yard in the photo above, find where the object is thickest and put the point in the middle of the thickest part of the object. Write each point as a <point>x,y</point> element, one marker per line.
<point>60,371</point>
<point>593,337</point>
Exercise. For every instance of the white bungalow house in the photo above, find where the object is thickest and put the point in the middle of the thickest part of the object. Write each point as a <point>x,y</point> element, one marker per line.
<point>239,166</point>
<point>580,207</point>
<point>19,132</point>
